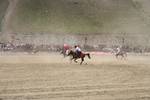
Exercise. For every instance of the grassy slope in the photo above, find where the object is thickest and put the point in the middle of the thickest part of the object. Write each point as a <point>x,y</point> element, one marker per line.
<point>3,7</point>
<point>79,16</point>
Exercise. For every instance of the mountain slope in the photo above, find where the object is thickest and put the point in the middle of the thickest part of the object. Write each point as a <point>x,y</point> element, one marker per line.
<point>80,16</point>
<point>3,7</point>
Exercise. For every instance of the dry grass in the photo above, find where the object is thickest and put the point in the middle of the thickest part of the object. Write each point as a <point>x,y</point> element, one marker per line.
<point>51,77</point>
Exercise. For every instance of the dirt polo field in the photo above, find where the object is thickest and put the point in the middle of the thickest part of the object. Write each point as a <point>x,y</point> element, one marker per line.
<point>49,76</point>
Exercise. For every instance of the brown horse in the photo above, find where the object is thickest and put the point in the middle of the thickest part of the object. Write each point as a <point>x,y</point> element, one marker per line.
<point>75,56</point>
<point>64,49</point>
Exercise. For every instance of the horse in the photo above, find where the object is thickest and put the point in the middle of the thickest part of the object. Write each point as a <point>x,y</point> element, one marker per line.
<point>75,56</point>
<point>123,54</point>
<point>64,50</point>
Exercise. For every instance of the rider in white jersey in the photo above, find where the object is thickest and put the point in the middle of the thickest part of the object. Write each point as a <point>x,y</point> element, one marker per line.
<point>118,50</point>
<point>77,50</point>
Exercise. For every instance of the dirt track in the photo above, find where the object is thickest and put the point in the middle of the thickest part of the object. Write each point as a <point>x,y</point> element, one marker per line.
<point>51,77</point>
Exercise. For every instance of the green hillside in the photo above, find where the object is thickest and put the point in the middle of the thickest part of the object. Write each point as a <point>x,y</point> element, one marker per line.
<point>3,7</point>
<point>80,16</point>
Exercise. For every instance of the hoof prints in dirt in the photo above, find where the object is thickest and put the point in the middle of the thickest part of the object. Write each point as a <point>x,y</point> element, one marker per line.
<point>121,92</point>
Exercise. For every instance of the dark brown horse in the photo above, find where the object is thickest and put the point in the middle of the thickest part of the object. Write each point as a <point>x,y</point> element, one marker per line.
<point>75,56</point>
<point>123,54</point>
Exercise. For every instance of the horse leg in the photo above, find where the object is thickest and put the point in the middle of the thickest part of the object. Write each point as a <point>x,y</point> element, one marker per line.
<point>116,56</point>
<point>125,56</point>
<point>75,60</point>
<point>88,55</point>
<point>82,59</point>
<point>64,55</point>
<point>122,56</point>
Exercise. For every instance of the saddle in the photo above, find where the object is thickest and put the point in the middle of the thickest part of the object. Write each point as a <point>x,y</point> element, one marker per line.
<point>80,54</point>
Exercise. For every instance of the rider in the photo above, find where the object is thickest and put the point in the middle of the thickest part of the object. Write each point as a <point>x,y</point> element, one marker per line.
<point>77,50</point>
<point>118,50</point>
<point>65,47</point>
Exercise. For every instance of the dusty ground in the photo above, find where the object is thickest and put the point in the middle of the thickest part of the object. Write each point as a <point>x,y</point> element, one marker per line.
<point>51,77</point>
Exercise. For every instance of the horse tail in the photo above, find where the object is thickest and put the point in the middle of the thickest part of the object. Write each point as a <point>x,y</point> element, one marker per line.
<point>88,55</point>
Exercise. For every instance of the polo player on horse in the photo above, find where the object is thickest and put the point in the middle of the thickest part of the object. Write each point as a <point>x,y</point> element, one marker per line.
<point>77,50</point>
<point>64,49</point>
<point>120,52</point>
<point>77,53</point>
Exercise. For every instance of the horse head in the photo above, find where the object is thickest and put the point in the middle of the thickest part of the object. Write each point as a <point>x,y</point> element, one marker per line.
<point>69,52</point>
